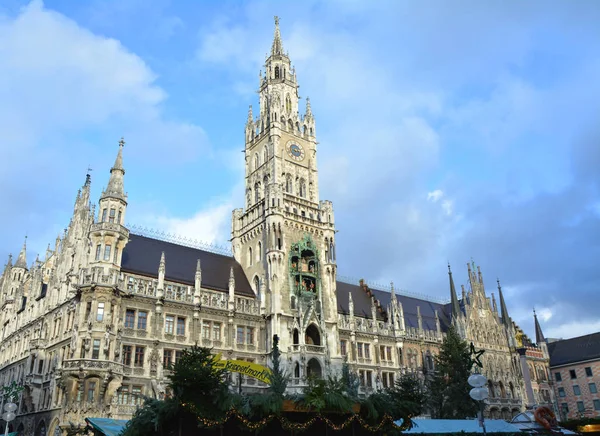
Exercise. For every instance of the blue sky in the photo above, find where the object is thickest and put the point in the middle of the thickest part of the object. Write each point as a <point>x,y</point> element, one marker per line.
<point>447,131</point>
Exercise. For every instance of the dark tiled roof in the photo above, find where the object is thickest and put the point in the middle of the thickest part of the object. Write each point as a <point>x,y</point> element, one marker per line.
<point>362,302</point>
<point>142,256</point>
<point>574,350</point>
<point>362,306</point>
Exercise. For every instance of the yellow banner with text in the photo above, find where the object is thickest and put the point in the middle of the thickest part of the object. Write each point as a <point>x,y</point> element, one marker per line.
<point>250,369</point>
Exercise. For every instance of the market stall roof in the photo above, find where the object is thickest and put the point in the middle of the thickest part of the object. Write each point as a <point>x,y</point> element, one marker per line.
<point>106,426</point>
<point>460,425</point>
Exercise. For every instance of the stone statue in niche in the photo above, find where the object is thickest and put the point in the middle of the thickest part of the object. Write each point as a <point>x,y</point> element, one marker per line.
<point>118,344</point>
<point>107,339</point>
<point>154,360</point>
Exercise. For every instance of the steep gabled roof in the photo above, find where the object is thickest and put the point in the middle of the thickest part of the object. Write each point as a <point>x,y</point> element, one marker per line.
<point>142,256</point>
<point>362,306</point>
<point>574,350</point>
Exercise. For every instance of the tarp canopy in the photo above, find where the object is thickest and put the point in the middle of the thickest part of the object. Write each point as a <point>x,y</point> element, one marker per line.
<point>107,426</point>
<point>458,425</point>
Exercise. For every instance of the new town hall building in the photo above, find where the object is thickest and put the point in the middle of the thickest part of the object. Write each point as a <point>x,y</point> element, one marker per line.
<point>90,329</point>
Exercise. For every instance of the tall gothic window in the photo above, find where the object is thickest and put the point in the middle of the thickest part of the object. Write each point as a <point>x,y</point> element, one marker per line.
<point>256,161</point>
<point>277,72</point>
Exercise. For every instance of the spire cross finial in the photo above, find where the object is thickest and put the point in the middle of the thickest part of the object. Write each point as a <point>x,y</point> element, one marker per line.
<point>89,168</point>
<point>276,20</point>
<point>122,142</point>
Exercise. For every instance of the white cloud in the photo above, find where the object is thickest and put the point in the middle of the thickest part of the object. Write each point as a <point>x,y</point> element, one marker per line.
<point>435,195</point>
<point>57,78</point>
<point>210,225</point>
<point>446,204</point>
<point>66,96</point>
<point>572,329</point>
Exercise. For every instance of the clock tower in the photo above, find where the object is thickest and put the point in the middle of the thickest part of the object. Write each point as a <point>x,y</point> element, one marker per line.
<point>285,236</point>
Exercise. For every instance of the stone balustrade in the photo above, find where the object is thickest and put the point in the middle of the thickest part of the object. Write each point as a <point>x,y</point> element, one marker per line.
<point>91,364</point>
<point>109,228</point>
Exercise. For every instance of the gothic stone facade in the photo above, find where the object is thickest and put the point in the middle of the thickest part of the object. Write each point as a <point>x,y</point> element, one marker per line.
<point>93,326</point>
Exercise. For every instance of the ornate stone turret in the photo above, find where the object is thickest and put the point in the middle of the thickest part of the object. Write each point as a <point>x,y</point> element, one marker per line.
<point>109,235</point>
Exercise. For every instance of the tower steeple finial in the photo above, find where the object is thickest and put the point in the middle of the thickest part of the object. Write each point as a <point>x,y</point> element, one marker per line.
<point>22,259</point>
<point>277,47</point>
<point>250,115</point>
<point>539,335</point>
<point>503,309</point>
<point>453,297</point>
<point>308,108</point>
<point>115,182</point>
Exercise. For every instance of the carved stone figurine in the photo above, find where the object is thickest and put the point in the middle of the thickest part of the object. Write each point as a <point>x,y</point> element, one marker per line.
<point>107,339</point>
<point>118,345</point>
<point>154,360</point>
<point>74,339</point>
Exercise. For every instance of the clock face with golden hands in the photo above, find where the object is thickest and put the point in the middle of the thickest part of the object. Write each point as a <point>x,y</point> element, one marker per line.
<point>295,151</point>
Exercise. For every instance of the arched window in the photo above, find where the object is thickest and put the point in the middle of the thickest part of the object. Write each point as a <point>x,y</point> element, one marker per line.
<point>256,192</point>
<point>259,251</point>
<point>265,154</point>
<point>297,370</point>
<point>256,161</point>
<point>313,368</point>
<point>296,337</point>
<point>288,184</point>
<point>302,189</point>
<point>277,72</point>
<point>250,259</point>
<point>312,337</point>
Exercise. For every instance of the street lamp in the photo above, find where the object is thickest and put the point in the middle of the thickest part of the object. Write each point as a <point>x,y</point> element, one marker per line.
<point>479,393</point>
<point>9,414</point>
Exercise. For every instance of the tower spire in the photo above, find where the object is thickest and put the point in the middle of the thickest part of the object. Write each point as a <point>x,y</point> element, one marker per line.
<point>115,182</point>
<point>22,259</point>
<point>453,297</point>
<point>539,335</point>
<point>503,309</point>
<point>277,47</point>
<point>308,112</point>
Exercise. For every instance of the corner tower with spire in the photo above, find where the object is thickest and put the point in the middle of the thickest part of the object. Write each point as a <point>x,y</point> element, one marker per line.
<point>285,236</point>
<point>108,234</point>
